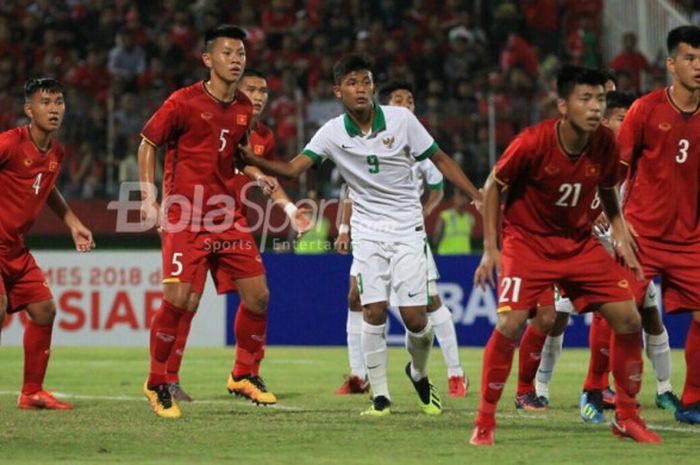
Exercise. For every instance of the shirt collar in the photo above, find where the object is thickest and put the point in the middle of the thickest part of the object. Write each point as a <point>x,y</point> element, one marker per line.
<point>378,123</point>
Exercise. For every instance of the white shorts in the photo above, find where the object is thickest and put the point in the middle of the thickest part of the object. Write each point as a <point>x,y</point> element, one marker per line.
<point>386,268</point>
<point>433,273</point>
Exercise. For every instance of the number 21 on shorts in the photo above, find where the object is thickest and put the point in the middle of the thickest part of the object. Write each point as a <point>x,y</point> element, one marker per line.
<point>510,290</point>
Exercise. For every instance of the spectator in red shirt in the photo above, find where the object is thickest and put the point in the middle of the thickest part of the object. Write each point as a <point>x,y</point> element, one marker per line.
<point>631,60</point>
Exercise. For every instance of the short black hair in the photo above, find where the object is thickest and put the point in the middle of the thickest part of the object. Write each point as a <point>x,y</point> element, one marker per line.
<point>34,85</point>
<point>571,76</point>
<point>348,64</point>
<point>686,34</point>
<point>390,87</point>
<point>252,72</point>
<point>229,31</point>
<point>617,99</point>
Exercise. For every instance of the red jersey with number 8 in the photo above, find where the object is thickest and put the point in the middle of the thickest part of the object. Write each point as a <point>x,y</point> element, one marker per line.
<point>201,135</point>
<point>27,176</point>
<point>548,191</point>
<point>661,146</point>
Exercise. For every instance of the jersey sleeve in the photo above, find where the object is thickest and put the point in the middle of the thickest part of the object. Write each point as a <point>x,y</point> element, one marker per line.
<point>420,141</point>
<point>629,138</point>
<point>515,160</point>
<point>319,147</point>
<point>433,177</point>
<point>165,123</point>
<point>269,153</point>
<point>6,145</point>
<point>610,172</point>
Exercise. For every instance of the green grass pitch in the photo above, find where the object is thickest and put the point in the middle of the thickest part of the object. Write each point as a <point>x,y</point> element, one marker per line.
<point>113,423</point>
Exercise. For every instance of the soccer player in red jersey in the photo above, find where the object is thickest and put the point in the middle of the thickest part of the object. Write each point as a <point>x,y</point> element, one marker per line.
<point>203,227</point>
<point>550,175</point>
<point>30,161</point>
<point>659,143</point>
<point>253,85</point>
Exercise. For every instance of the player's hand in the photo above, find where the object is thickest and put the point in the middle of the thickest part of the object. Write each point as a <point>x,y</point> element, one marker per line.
<point>150,214</point>
<point>626,249</point>
<point>245,152</point>
<point>479,203</point>
<point>268,184</point>
<point>301,222</point>
<point>82,237</point>
<point>342,243</point>
<point>490,262</point>
<point>601,224</point>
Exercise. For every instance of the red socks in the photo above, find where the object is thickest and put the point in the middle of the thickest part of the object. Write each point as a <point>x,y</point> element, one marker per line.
<point>37,348</point>
<point>599,338</point>
<point>498,359</point>
<point>626,356</point>
<point>529,355</point>
<point>250,331</point>
<point>691,390</point>
<point>164,329</point>
<point>178,350</point>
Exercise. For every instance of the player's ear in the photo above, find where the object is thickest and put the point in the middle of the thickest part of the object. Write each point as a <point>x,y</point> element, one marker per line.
<point>336,91</point>
<point>562,106</point>
<point>671,65</point>
<point>206,59</point>
<point>28,110</point>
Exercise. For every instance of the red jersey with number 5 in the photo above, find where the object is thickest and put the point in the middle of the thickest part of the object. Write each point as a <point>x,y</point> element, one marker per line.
<point>661,146</point>
<point>548,191</point>
<point>27,176</point>
<point>201,135</point>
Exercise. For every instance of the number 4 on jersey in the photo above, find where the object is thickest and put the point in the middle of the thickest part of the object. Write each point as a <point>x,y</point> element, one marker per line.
<point>37,184</point>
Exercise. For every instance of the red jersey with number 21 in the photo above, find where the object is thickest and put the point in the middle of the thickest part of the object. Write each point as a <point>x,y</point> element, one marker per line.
<point>27,176</point>
<point>549,192</point>
<point>661,146</point>
<point>201,135</point>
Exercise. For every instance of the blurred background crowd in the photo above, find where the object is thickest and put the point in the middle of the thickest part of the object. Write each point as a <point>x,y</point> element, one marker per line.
<point>120,59</point>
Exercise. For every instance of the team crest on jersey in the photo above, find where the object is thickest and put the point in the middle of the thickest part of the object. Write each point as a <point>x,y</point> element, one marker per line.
<point>28,162</point>
<point>593,169</point>
<point>206,115</point>
<point>53,166</point>
<point>623,284</point>
<point>388,142</point>
<point>242,120</point>
<point>665,126</point>
<point>258,149</point>
<point>551,170</point>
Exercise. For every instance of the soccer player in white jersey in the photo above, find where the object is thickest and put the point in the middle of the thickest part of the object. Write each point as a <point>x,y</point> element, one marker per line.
<point>400,93</point>
<point>373,148</point>
<point>655,338</point>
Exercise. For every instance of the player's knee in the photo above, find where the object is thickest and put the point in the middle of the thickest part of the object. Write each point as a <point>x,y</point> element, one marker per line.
<point>257,303</point>
<point>374,315</point>
<point>193,302</point>
<point>416,323</point>
<point>42,313</point>
<point>510,327</point>
<point>544,321</point>
<point>627,322</point>
<point>651,320</point>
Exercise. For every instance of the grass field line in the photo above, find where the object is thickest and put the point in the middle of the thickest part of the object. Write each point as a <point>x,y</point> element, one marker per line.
<point>64,395</point>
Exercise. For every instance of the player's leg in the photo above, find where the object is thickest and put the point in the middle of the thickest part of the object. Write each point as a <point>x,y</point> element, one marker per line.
<point>626,361</point>
<point>250,330</point>
<point>658,350</point>
<point>689,410</point>
<point>529,355</point>
<point>37,348</point>
<point>375,353</point>
<point>441,319</point>
<point>552,346</point>
<point>178,351</point>
<point>356,383</point>
<point>592,403</point>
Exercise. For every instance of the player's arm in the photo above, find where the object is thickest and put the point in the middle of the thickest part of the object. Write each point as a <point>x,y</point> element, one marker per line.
<point>150,209</point>
<point>342,242</point>
<point>453,173</point>
<point>621,236</point>
<point>82,237</point>
<point>438,231</point>
<point>435,196</point>
<point>289,169</point>
<point>491,259</point>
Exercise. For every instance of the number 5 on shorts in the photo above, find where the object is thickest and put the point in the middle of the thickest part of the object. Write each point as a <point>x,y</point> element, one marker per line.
<point>176,261</point>
<point>510,287</point>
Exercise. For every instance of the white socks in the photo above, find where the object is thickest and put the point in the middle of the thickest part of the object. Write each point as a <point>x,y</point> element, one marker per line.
<point>444,328</point>
<point>376,358</point>
<point>550,355</point>
<point>659,352</point>
<point>354,330</point>
<point>418,345</point>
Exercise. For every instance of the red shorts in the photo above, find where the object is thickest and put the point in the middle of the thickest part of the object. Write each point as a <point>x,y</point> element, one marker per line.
<point>21,280</point>
<point>580,267</point>
<point>188,256</point>
<point>679,271</point>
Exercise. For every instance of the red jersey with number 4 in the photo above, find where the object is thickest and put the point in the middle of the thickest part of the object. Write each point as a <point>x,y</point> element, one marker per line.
<point>661,146</point>
<point>27,176</point>
<point>201,135</point>
<point>549,192</point>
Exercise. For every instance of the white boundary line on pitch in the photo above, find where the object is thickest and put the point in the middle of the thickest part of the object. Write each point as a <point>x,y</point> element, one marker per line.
<point>63,395</point>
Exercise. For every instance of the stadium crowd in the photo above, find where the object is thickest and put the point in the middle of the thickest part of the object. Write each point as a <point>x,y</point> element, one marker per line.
<point>124,57</point>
